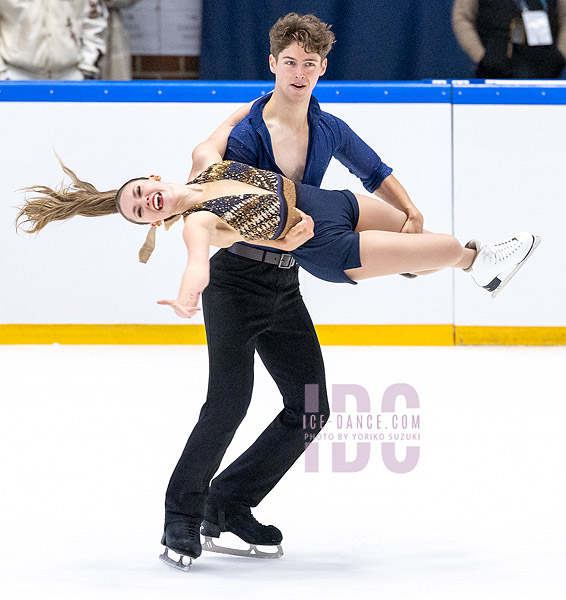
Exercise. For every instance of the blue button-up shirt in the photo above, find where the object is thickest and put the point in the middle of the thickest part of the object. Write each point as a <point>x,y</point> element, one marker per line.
<point>329,136</point>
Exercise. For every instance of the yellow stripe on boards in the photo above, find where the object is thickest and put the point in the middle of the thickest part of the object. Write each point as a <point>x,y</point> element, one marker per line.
<point>342,335</point>
<point>102,334</point>
<point>330,335</point>
<point>509,336</point>
<point>385,335</point>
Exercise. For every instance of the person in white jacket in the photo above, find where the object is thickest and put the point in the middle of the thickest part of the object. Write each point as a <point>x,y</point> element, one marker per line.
<point>117,62</point>
<point>51,39</point>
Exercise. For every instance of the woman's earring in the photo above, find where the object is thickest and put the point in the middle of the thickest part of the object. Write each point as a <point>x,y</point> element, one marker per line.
<point>156,177</point>
<point>156,224</point>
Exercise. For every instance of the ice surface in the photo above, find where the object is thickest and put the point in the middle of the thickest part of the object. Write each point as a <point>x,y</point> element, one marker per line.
<point>89,436</point>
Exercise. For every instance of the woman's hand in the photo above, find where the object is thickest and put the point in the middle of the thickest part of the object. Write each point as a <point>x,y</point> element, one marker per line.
<point>184,310</point>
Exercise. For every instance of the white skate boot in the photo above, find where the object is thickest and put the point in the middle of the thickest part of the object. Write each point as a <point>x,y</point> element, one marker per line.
<point>496,264</point>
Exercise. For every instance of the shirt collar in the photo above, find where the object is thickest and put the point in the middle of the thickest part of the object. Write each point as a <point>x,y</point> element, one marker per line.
<point>256,111</point>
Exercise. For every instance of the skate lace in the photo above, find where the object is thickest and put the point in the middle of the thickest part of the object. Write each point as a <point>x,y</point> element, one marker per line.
<point>189,528</point>
<point>499,252</point>
<point>247,516</point>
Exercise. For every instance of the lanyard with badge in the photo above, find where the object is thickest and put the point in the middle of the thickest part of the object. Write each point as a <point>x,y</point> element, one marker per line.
<point>533,27</point>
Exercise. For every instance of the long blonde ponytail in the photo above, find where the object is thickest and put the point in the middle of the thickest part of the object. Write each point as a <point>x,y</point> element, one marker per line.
<point>78,198</point>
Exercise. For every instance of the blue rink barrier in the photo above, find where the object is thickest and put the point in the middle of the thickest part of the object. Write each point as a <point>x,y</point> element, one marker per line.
<point>443,92</point>
<point>532,92</point>
<point>214,91</point>
<point>435,92</point>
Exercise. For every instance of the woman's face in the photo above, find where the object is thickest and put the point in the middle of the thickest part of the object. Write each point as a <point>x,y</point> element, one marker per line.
<point>147,200</point>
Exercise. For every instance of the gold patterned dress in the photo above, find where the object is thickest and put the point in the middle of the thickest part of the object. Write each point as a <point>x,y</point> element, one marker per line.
<point>267,216</point>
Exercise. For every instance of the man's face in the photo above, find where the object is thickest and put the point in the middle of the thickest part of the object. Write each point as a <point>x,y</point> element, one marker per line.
<point>296,71</point>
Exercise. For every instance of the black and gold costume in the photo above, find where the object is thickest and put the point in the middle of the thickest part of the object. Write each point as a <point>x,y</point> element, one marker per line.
<point>335,246</point>
<point>255,216</point>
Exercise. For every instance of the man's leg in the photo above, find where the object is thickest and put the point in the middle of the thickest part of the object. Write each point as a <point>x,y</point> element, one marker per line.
<point>292,355</point>
<point>235,309</point>
<point>226,405</point>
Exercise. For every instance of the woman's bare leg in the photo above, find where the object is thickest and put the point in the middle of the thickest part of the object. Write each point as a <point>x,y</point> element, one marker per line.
<point>388,253</point>
<point>378,215</point>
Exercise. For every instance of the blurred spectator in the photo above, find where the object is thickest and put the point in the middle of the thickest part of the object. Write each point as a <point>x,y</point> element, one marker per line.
<point>51,39</point>
<point>117,62</point>
<point>512,39</point>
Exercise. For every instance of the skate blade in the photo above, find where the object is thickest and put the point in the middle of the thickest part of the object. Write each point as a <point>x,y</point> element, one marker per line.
<point>176,564</point>
<point>516,269</point>
<point>251,552</point>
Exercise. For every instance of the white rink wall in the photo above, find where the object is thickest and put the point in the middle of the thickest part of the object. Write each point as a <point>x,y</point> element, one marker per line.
<point>509,176</point>
<point>478,170</point>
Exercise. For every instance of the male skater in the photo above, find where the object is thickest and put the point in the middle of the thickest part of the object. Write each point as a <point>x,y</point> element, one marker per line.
<point>253,304</point>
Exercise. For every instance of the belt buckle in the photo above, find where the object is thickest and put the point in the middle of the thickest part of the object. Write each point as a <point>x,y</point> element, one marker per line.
<point>286,261</point>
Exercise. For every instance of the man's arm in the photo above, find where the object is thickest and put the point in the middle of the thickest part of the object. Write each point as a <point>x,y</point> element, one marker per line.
<point>375,175</point>
<point>296,236</point>
<point>392,192</point>
<point>243,148</point>
<point>243,145</point>
<point>212,150</point>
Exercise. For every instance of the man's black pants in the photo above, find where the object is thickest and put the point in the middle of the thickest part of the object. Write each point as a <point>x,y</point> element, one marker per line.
<point>248,306</point>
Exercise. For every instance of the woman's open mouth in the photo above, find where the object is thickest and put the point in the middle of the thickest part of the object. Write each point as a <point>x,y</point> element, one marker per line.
<point>157,201</point>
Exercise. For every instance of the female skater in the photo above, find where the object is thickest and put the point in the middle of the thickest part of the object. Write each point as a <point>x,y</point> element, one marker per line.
<point>355,237</point>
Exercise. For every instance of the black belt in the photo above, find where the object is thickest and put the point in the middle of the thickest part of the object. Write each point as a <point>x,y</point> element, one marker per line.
<point>283,261</point>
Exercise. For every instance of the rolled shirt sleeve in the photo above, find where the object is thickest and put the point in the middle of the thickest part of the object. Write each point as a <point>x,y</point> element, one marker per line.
<point>359,158</point>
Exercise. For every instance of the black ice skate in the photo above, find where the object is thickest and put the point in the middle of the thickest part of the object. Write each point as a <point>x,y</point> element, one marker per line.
<point>242,523</point>
<point>183,538</point>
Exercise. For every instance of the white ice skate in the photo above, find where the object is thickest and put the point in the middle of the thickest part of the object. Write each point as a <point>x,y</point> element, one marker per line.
<point>496,264</point>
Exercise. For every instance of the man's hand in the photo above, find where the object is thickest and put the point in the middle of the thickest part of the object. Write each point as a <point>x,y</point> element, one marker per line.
<point>414,222</point>
<point>392,192</point>
<point>183,310</point>
<point>299,233</point>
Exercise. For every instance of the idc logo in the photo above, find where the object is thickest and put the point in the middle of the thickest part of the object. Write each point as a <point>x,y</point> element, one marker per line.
<point>352,437</point>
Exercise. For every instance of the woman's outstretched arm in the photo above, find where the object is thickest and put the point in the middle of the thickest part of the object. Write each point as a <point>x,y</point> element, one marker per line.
<point>197,234</point>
